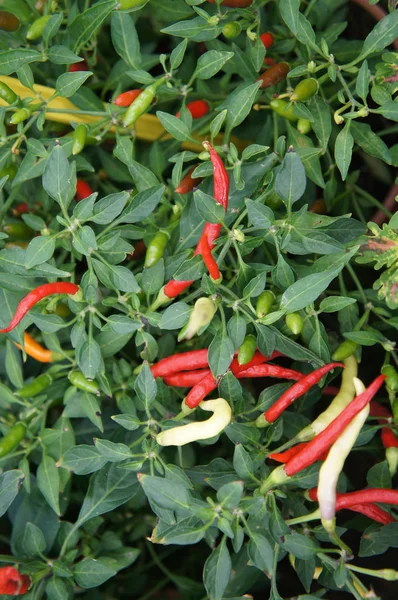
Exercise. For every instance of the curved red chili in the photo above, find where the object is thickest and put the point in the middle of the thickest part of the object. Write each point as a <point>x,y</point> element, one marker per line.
<point>269,371</point>
<point>388,437</point>
<point>80,66</point>
<point>48,289</point>
<point>297,390</point>
<point>186,378</point>
<point>197,108</point>
<point>83,190</point>
<point>209,259</point>
<point>188,183</point>
<point>368,496</point>
<point>324,440</point>
<point>127,98</point>
<point>201,390</point>
<point>186,361</point>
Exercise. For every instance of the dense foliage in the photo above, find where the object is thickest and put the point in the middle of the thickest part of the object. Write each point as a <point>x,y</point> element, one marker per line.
<point>111,192</point>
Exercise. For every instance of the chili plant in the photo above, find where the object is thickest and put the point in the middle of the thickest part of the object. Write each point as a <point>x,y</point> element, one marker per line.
<point>197,215</point>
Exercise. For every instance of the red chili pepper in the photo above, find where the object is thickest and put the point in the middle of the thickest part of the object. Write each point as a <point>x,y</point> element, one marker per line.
<point>270,371</point>
<point>83,190</point>
<point>197,108</point>
<point>187,378</point>
<point>12,583</point>
<point>188,183</point>
<point>368,509</point>
<point>297,390</point>
<point>201,390</point>
<point>269,61</point>
<point>211,230</point>
<point>284,457</point>
<point>368,496</point>
<point>388,437</point>
<point>186,361</point>
<point>258,359</point>
<point>48,289</point>
<point>209,259</point>
<point>274,75</point>
<point>267,39</point>
<point>127,98</point>
<point>21,208</point>
<point>330,390</point>
<point>324,440</point>
<point>80,66</point>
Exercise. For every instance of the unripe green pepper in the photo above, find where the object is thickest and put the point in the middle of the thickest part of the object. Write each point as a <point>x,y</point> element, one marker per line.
<point>273,201</point>
<point>36,29</point>
<point>20,116</point>
<point>295,323</point>
<point>283,109</point>
<point>231,29</point>
<point>264,304</point>
<point>142,102</point>
<point>345,350</point>
<point>306,89</point>
<point>8,21</point>
<point>13,438</point>
<point>304,126</point>
<point>156,248</point>
<point>18,231</point>
<point>7,94</point>
<point>79,139</point>
<point>247,349</point>
<point>35,387</point>
<point>126,4</point>
<point>81,383</point>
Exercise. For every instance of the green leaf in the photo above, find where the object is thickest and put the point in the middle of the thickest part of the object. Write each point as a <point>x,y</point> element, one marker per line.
<point>370,142</point>
<point>307,289</point>
<point>243,463</point>
<point>89,358</point>
<point>84,26</point>
<point>322,123</point>
<point>67,84</point>
<point>241,104</point>
<point>210,63</point>
<point>56,176</point>
<point>290,182</point>
<point>259,215</point>
<point>145,386</point>
<point>10,483</point>
<point>143,204</point>
<point>301,546</point>
<point>125,39</point>
<point>389,110</point>
<point>12,60</point>
<point>365,338</point>
<point>48,482</point>
<point>108,489</point>
<point>61,55</point>
<point>362,82</point>
<point>343,150</point>
<point>208,209</point>
<point>107,209</point>
<point>112,452</point>
<point>382,35</point>
<point>229,495</point>
<point>177,54</point>
<point>174,125</point>
<point>221,352</point>
<point>217,571</point>
<point>175,316</point>
<point>90,572</point>
<point>39,251</point>
<point>260,552</point>
<point>165,493</point>
<point>83,459</point>
<point>56,589</point>
<point>290,10</point>
<point>33,542</point>
<point>335,303</point>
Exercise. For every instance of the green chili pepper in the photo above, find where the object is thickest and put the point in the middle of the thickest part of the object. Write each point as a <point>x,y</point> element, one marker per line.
<point>79,139</point>
<point>395,411</point>
<point>306,89</point>
<point>264,304</point>
<point>7,94</point>
<point>8,21</point>
<point>20,115</point>
<point>231,29</point>
<point>273,201</point>
<point>346,349</point>
<point>389,371</point>
<point>392,378</point>
<point>126,4</point>
<point>81,383</point>
<point>283,109</point>
<point>142,102</point>
<point>156,248</point>
<point>304,126</point>
<point>36,29</point>
<point>247,349</point>
<point>35,387</point>
<point>13,438</point>
<point>18,231</point>
<point>295,323</point>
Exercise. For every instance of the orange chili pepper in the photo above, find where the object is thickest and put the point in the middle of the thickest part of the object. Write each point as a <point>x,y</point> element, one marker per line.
<point>36,351</point>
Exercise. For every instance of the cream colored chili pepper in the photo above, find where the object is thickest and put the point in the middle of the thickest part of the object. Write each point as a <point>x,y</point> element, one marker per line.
<point>334,463</point>
<point>201,430</point>
<point>202,314</point>
<point>147,127</point>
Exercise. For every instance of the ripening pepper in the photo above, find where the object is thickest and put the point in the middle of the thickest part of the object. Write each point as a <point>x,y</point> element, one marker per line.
<point>345,350</point>
<point>142,102</point>
<point>202,314</point>
<point>126,98</point>
<point>304,90</point>
<point>304,126</point>
<point>8,21</point>
<point>20,116</point>
<point>247,349</point>
<point>7,94</point>
<point>264,304</point>
<point>274,75</point>
<point>294,322</point>
<point>197,108</point>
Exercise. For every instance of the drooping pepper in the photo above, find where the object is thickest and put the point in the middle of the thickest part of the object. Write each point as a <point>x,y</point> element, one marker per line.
<point>8,21</point>
<point>35,387</point>
<point>264,303</point>
<point>79,139</point>
<point>38,352</point>
<point>156,248</point>
<point>295,323</point>
<point>283,109</point>
<point>304,90</point>
<point>247,349</point>
<point>36,29</point>
<point>188,183</point>
<point>274,75</point>
<point>7,94</point>
<point>142,102</point>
